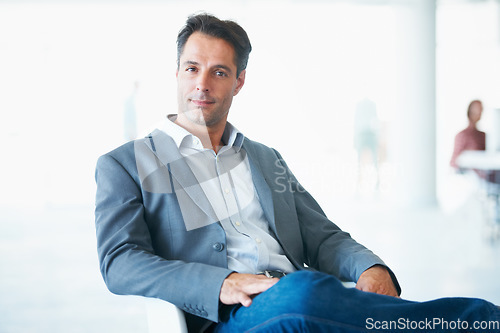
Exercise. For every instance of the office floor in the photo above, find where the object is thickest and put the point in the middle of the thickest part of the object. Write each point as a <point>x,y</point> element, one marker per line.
<point>434,254</point>
<point>49,280</point>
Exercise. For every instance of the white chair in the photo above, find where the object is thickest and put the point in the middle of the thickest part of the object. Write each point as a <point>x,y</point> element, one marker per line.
<point>164,317</point>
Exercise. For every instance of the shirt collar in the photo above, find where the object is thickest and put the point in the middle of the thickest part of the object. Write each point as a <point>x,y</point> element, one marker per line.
<point>231,137</point>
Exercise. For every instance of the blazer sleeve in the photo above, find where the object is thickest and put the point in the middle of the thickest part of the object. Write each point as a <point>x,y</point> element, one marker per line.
<point>127,260</point>
<point>328,248</point>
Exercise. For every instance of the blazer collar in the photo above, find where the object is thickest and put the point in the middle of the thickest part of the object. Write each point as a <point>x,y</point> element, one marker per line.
<point>231,136</point>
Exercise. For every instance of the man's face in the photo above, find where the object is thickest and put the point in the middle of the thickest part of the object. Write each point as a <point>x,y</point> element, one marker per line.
<point>206,80</point>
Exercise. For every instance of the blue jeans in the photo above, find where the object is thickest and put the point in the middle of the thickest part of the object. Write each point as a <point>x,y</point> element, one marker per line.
<point>315,302</point>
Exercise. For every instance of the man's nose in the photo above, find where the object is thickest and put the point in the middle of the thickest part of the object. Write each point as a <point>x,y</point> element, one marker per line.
<point>202,83</point>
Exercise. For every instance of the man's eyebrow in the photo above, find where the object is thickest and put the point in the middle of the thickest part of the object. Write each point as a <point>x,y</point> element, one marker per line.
<point>192,62</point>
<point>224,67</point>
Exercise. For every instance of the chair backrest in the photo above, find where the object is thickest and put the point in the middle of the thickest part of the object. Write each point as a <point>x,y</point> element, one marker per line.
<point>164,317</point>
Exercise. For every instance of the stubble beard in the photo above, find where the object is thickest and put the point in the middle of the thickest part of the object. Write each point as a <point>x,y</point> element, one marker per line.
<point>202,117</point>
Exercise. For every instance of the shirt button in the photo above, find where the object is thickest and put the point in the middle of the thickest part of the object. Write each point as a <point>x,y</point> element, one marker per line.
<point>226,190</point>
<point>258,240</point>
<point>218,247</point>
<point>238,224</point>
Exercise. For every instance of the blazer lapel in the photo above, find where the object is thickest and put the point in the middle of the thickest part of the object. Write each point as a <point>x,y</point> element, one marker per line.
<point>260,183</point>
<point>282,216</point>
<point>184,181</point>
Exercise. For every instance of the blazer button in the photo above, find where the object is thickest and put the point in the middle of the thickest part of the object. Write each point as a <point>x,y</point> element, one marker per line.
<point>218,247</point>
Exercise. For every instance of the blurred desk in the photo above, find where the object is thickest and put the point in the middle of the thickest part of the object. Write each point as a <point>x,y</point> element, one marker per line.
<point>487,165</point>
<point>479,160</point>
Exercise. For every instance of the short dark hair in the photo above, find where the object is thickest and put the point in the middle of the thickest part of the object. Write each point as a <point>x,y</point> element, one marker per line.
<point>229,31</point>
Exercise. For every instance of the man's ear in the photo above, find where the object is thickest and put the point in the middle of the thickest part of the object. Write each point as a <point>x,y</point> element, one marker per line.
<point>176,73</point>
<point>240,81</point>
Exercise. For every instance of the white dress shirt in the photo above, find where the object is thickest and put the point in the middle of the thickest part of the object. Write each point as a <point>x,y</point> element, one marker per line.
<point>226,180</point>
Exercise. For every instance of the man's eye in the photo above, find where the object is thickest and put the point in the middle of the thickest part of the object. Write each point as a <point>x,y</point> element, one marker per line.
<point>220,73</point>
<point>190,69</point>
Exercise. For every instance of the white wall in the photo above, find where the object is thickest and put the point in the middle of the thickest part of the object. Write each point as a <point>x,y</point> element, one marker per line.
<point>66,70</point>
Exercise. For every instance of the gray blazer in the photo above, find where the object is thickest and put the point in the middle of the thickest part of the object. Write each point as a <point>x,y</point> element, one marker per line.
<point>144,246</point>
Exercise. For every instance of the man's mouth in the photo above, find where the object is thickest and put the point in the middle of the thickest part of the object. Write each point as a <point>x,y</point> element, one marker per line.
<point>202,102</point>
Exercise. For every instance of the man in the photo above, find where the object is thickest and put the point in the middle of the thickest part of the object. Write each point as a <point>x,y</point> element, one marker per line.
<point>198,215</point>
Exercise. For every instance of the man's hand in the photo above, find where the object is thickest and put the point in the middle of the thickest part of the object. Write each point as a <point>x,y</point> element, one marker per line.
<point>239,288</point>
<point>377,279</point>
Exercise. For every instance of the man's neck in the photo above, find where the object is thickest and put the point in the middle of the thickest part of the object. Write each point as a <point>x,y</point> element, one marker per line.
<point>210,137</point>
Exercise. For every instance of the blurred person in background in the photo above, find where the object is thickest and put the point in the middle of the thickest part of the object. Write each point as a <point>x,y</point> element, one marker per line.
<point>130,114</point>
<point>366,143</point>
<point>470,138</point>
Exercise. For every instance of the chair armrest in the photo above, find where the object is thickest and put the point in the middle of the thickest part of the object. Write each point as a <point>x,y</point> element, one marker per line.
<point>164,317</point>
